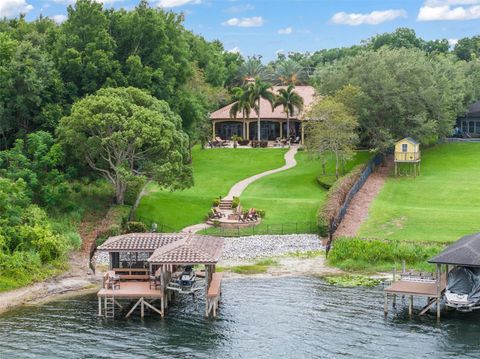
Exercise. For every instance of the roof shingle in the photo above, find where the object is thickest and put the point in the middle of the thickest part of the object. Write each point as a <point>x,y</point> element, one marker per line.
<point>306,92</point>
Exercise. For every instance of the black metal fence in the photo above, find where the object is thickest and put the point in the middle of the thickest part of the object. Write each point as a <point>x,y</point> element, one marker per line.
<point>263,229</point>
<point>375,161</point>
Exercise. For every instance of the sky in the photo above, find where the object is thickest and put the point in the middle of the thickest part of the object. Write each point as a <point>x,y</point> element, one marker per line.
<point>267,27</point>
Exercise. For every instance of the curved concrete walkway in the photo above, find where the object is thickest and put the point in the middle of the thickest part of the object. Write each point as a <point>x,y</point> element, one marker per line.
<point>239,187</point>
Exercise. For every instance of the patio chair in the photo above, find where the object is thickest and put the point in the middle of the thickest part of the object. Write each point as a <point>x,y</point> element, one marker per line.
<point>154,282</point>
<point>278,142</point>
<point>217,214</point>
<point>113,281</point>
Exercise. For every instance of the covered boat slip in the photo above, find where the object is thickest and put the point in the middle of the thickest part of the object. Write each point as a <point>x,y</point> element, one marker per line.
<point>463,283</point>
<point>457,279</point>
<point>152,267</point>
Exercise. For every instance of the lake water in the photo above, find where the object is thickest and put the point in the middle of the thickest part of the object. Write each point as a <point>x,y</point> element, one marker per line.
<point>259,318</point>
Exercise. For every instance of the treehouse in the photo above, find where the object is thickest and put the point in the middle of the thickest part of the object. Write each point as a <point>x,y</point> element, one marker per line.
<point>407,151</point>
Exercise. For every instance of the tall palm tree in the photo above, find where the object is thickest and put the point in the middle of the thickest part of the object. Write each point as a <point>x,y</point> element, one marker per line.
<point>242,104</point>
<point>290,100</point>
<point>288,72</point>
<point>256,91</point>
<point>251,69</point>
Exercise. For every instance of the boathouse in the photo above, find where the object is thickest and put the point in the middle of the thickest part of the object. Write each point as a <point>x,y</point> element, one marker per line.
<point>456,281</point>
<point>150,269</point>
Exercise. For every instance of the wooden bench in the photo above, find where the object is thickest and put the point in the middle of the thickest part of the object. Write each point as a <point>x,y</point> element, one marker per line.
<point>215,284</point>
<point>132,273</point>
<point>213,294</point>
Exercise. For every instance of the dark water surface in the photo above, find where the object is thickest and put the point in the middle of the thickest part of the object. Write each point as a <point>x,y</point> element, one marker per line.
<point>260,318</point>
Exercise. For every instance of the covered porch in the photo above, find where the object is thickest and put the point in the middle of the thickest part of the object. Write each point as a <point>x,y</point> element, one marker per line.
<point>270,129</point>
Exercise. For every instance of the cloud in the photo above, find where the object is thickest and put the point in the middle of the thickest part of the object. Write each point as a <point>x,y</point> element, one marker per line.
<point>11,8</point>
<point>59,18</point>
<point>240,8</point>
<point>373,18</point>
<point>434,10</point>
<point>452,42</point>
<point>254,21</point>
<point>177,3</point>
<point>72,2</point>
<point>235,50</point>
<point>286,31</point>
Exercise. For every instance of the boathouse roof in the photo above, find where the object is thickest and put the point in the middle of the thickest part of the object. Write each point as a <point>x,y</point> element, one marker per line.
<point>135,242</point>
<point>189,250</point>
<point>464,252</point>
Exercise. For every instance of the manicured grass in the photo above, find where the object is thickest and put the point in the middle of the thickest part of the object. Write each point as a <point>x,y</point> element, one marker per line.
<point>293,195</point>
<point>215,171</point>
<point>441,205</point>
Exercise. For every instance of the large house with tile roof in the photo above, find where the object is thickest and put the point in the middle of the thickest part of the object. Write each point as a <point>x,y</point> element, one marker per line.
<point>273,123</point>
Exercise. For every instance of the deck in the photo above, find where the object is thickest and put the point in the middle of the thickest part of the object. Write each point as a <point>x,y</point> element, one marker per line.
<point>132,290</point>
<point>423,289</point>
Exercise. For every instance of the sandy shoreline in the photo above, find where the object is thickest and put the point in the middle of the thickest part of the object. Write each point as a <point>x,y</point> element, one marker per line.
<point>70,286</point>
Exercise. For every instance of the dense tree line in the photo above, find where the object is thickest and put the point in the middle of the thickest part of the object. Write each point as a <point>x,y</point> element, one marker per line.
<point>45,67</point>
<point>108,93</point>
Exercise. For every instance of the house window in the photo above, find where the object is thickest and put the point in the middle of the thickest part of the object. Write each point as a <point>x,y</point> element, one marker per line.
<point>404,147</point>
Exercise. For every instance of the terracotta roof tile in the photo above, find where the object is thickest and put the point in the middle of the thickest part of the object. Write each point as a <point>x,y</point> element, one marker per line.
<point>190,250</point>
<point>307,92</point>
<point>140,241</point>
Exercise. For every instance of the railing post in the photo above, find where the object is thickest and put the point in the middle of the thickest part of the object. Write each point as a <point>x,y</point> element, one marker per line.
<point>282,228</point>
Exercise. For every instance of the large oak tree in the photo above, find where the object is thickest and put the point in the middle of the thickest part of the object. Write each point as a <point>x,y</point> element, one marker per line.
<point>124,132</point>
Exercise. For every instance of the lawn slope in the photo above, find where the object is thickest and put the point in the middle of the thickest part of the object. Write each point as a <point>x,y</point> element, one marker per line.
<point>293,195</point>
<point>214,171</point>
<point>440,205</point>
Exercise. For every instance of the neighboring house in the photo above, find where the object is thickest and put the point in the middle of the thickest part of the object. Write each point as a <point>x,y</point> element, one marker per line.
<point>470,123</point>
<point>273,123</point>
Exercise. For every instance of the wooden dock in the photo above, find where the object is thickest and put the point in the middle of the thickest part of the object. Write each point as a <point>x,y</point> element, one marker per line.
<point>417,286</point>
<point>148,268</point>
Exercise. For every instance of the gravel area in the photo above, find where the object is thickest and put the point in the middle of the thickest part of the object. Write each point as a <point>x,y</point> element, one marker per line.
<point>269,245</point>
<point>253,247</point>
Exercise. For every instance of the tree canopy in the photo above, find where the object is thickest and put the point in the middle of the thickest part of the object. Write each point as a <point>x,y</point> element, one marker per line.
<point>124,132</point>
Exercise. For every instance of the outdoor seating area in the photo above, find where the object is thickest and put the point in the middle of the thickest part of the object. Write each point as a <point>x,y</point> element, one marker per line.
<point>225,214</point>
<point>244,143</point>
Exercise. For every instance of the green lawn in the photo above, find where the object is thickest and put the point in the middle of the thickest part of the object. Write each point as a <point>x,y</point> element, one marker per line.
<point>440,205</point>
<point>215,171</point>
<point>293,195</point>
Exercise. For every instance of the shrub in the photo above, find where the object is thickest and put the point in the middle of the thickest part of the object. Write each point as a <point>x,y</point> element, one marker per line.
<point>216,201</point>
<point>326,181</point>
<point>359,254</point>
<point>136,227</point>
<point>263,143</point>
<point>235,202</point>
<point>216,223</point>
<point>261,213</point>
<point>335,198</point>
<point>243,142</point>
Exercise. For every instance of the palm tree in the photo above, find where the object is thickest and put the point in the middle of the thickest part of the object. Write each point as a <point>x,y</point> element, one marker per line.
<point>251,69</point>
<point>290,100</point>
<point>288,72</point>
<point>256,91</point>
<point>242,104</point>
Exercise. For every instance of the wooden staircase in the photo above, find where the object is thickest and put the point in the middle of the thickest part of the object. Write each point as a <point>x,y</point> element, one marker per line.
<point>225,204</point>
